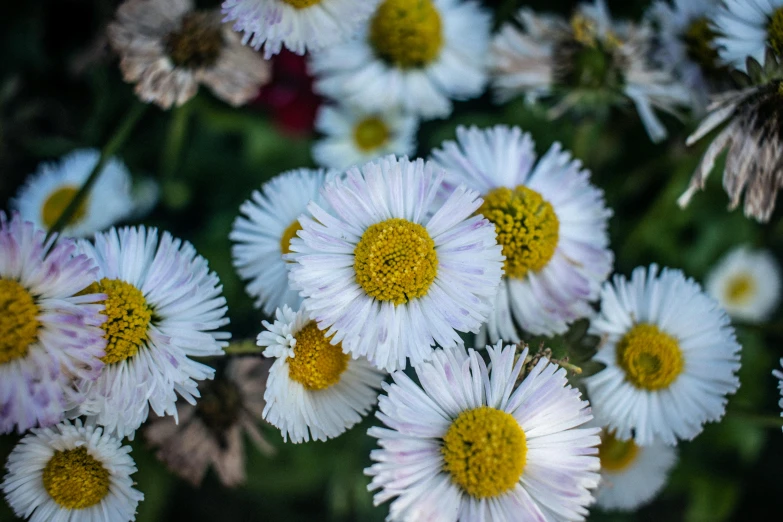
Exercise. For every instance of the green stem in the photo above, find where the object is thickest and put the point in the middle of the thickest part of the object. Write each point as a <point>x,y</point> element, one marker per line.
<point>109,150</point>
<point>243,348</point>
<point>175,140</point>
<point>765,421</point>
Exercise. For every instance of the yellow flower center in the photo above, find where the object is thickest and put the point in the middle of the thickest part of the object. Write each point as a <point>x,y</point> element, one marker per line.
<point>18,320</point>
<point>775,30</point>
<point>395,261</point>
<point>288,234</point>
<point>616,455</point>
<point>75,479</point>
<point>129,317</point>
<point>652,359</point>
<point>698,39</point>
<point>57,202</point>
<point>740,289</point>
<point>316,364</point>
<point>526,225</point>
<point>485,451</point>
<point>371,133</point>
<point>407,33</point>
<point>301,4</point>
<point>197,43</point>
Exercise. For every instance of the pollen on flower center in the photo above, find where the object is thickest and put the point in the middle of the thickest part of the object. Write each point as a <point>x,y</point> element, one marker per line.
<point>407,33</point>
<point>395,261</point>
<point>18,320</point>
<point>740,288</point>
<point>75,479</point>
<point>616,455</point>
<point>526,225</point>
<point>652,359</point>
<point>698,39</point>
<point>485,451</point>
<point>288,234</point>
<point>371,133</point>
<point>317,364</point>
<point>129,317</point>
<point>56,204</point>
<point>301,4</point>
<point>775,30</point>
<point>197,43</point>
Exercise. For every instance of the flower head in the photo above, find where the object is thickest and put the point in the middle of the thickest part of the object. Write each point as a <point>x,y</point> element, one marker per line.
<point>747,28</point>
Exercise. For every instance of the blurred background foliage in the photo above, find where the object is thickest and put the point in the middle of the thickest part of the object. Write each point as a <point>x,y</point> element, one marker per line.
<point>60,89</point>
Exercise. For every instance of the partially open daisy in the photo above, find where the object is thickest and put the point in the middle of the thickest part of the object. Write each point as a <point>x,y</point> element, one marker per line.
<point>671,358</point>
<point>748,28</point>
<point>352,136</point>
<point>471,444</point>
<point>550,221</point>
<point>50,190</point>
<point>163,306</point>
<point>588,64</point>
<point>299,25</point>
<point>71,472</point>
<point>387,272</point>
<point>263,233</point>
<point>746,283</point>
<point>631,475</point>
<point>48,335</point>
<point>314,390</point>
<point>413,54</point>
<point>167,49</point>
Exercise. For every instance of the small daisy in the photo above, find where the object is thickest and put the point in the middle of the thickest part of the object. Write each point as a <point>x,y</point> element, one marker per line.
<point>166,48</point>
<point>388,273</point>
<point>299,25</point>
<point>48,335</point>
<point>551,222</point>
<point>71,472</point>
<point>471,444</point>
<point>314,391</point>
<point>631,475</point>
<point>51,189</point>
<point>353,137</point>
<point>671,358</point>
<point>413,55</point>
<point>746,284</point>
<point>262,235</point>
<point>163,306</point>
<point>779,376</point>
<point>587,64</point>
<point>748,28</point>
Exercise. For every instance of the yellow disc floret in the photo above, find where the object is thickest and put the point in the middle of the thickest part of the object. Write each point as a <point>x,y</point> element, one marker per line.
<point>775,30</point>
<point>407,33</point>
<point>526,225</point>
<point>616,455</point>
<point>316,364</point>
<point>371,133</point>
<point>56,204</point>
<point>485,451</point>
<point>740,289</point>
<point>302,4</point>
<point>75,479</point>
<point>652,359</point>
<point>395,261</point>
<point>129,317</point>
<point>288,234</point>
<point>18,320</point>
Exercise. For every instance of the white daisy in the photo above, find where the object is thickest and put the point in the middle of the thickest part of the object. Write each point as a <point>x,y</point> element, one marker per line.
<point>262,235</point>
<point>49,191</point>
<point>299,25</point>
<point>48,334</point>
<point>588,63</point>
<point>746,284</point>
<point>313,386</point>
<point>353,136</point>
<point>71,472</point>
<point>471,444</point>
<point>388,273</point>
<point>413,54</point>
<point>671,358</point>
<point>747,28</point>
<point>631,475</point>
<point>163,306</point>
<point>551,222</point>
<point>779,376</point>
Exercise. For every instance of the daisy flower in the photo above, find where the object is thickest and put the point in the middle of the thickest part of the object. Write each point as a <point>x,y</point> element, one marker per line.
<point>779,376</point>
<point>671,358</point>
<point>413,55</point>
<point>748,28</point>
<point>588,63</point>
<point>387,272</point>
<point>631,475</point>
<point>299,25</point>
<point>71,472</point>
<point>550,221</point>
<point>49,335</point>
<point>51,189</point>
<point>353,137</point>
<point>163,306</point>
<point>263,233</point>
<point>471,444</point>
<point>746,284</point>
<point>167,49</point>
<point>314,390</point>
